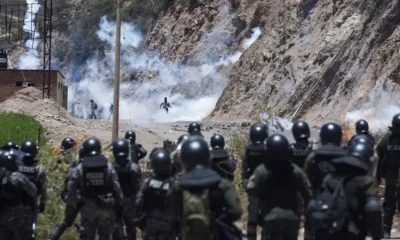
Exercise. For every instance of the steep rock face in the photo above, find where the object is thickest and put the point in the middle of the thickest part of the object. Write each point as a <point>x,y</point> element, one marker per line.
<point>356,42</point>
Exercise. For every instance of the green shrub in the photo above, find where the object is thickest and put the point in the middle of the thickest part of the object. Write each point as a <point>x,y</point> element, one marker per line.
<point>19,127</point>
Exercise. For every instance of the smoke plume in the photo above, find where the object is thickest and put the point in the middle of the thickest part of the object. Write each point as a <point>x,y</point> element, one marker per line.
<point>31,58</point>
<point>192,91</point>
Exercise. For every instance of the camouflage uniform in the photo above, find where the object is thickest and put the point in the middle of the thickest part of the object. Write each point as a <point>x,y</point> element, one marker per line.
<point>389,162</point>
<point>223,164</point>
<point>130,179</point>
<point>152,210</point>
<point>224,201</point>
<point>253,158</point>
<point>18,205</point>
<point>318,164</point>
<point>280,207</point>
<point>101,195</point>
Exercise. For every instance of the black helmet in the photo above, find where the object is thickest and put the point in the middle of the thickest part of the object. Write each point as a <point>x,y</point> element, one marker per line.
<point>277,147</point>
<point>258,133</point>
<point>68,143</point>
<point>361,139</point>
<point>182,138</point>
<point>396,122</point>
<point>91,147</point>
<point>331,132</point>
<point>193,127</point>
<point>161,163</point>
<point>195,151</point>
<point>300,130</point>
<point>361,153</point>
<point>217,141</point>
<point>9,145</point>
<point>8,161</point>
<point>30,149</point>
<point>120,148</point>
<point>131,136</point>
<point>362,126</point>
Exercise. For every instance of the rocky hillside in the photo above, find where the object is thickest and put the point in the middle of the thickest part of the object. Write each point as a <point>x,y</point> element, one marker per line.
<point>315,60</point>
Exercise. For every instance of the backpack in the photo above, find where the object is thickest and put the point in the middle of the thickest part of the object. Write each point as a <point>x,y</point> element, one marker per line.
<point>196,215</point>
<point>328,211</point>
<point>95,106</point>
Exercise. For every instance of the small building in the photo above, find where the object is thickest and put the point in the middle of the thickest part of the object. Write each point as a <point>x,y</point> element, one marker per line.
<point>13,80</point>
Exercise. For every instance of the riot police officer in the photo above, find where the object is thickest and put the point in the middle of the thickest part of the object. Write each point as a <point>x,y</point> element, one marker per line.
<point>194,129</point>
<point>129,175</point>
<point>303,147</point>
<point>319,162</point>
<point>99,188</point>
<point>362,129</point>
<point>153,214</point>
<point>10,146</point>
<point>137,151</point>
<point>277,183</point>
<point>68,143</point>
<point>18,200</point>
<point>34,171</point>
<point>221,161</point>
<point>388,150</point>
<point>254,157</point>
<point>201,199</point>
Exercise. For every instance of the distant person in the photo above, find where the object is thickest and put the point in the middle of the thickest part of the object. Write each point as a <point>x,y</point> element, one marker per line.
<point>93,107</point>
<point>165,104</point>
<point>111,111</point>
<point>100,113</point>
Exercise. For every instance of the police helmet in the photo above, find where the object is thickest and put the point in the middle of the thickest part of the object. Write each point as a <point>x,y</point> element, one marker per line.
<point>9,161</point>
<point>9,146</point>
<point>68,143</point>
<point>91,147</point>
<point>300,130</point>
<point>396,122</point>
<point>120,148</point>
<point>361,139</point>
<point>161,163</point>
<point>182,138</point>
<point>277,147</point>
<point>361,153</point>
<point>217,141</point>
<point>361,126</point>
<point>194,127</point>
<point>258,133</point>
<point>331,132</point>
<point>131,136</point>
<point>194,151</point>
<point>29,148</point>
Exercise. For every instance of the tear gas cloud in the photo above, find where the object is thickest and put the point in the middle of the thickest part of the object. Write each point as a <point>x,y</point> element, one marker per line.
<point>192,91</point>
<point>31,59</point>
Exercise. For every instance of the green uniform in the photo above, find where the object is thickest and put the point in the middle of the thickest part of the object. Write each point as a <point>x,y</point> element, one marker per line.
<point>280,208</point>
<point>224,201</point>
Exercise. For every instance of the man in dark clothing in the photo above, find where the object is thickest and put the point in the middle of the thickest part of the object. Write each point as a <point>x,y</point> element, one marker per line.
<point>221,161</point>
<point>253,158</point>
<point>97,182</point>
<point>111,111</point>
<point>278,183</point>
<point>93,107</point>
<point>388,150</point>
<point>202,200</point>
<point>303,147</point>
<point>165,105</point>
<point>130,178</point>
<point>137,151</point>
<point>319,162</point>
<point>152,206</point>
<point>362,210</point>
<point>18,200</point>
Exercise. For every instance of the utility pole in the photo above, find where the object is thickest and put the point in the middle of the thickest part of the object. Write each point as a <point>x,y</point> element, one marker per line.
<point>117,72</point>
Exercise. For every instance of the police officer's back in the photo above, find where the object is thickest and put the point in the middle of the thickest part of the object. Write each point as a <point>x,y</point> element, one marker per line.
<point>362,129</point>
<point>194,129</point>
<point>129,175</point>
<point>355,208</point>
<point>302,147</point>
<point>137,150</point>
<point>388,150</point>
<point>152,205</point>
<point>34,171</point>
<point>201,199</point>
<point>98,184</point>
<point>277,183</point>
<point>221,161</point>
<point>18,203</point>
<point>319,162</point>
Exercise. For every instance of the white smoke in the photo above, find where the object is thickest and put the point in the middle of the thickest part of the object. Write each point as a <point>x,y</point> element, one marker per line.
<point>192,91</point>
<point>31,58</point>
<point>275,124</point>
